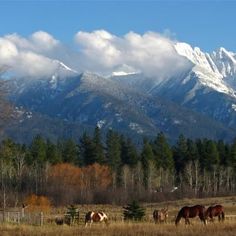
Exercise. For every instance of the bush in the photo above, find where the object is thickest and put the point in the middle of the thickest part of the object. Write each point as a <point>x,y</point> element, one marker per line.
<point>133,211</point>
<point>37,203</point>
<point>72,215</point>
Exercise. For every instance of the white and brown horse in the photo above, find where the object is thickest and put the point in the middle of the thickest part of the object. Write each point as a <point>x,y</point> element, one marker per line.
<point>92,216</point>
<point>160,216</point>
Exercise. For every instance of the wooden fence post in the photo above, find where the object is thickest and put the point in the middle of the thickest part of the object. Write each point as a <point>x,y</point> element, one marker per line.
<point>8,216</point>
<point>18,217</point>
<point>23,212</point>
<point>41,218</point>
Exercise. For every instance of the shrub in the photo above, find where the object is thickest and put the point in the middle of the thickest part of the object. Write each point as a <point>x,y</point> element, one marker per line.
<point>133,211</point>
<point>72,215</point>
<point>37,203</point>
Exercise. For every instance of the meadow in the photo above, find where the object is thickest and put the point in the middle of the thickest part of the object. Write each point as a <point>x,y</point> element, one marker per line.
<point>147,227</point>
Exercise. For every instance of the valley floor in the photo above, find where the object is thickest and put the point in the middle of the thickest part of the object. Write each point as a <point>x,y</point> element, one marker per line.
<point>117,227</point>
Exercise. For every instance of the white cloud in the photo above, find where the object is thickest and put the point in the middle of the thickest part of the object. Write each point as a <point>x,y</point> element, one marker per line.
<point>32,57</point>
<point>7,51</point>
<point>44,40</point>
<point>98,51</point>
<point>151,53</point>
<point>38,42</point>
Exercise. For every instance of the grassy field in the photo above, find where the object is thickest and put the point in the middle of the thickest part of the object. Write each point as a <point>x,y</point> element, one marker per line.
<point>227,228</point>
<point>118,227</point>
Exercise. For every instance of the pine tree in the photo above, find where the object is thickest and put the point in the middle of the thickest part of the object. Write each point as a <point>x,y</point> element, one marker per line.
<point>38,150</point>
<point>201,147</point>
<point>129,154</point>
<point>52,153</point>
<point>224,153</point>
<point>87,150</point>
<point>146,157</point>
<point>113,150</point>
<point>192,153</point>
<point>212,155</point>
<point>99,150</point>
<point>233,155</point>
<point>70,152</point>
<point>72,214</point>
<point>162,152</point>
<point>133,211</point>
<point>180,151</point>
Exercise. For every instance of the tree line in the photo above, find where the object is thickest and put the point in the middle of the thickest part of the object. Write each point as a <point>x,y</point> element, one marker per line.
<point>114,170</point>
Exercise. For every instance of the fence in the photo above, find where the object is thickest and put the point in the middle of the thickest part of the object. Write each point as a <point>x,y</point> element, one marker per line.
<point>21,217</point>
<point>18,217</point>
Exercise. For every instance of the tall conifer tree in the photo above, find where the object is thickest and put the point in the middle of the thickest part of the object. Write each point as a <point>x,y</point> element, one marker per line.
<point>146,157</point>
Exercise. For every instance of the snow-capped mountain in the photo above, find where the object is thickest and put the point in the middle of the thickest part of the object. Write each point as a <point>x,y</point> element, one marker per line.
<point>198,102</point>
<point>212,70</point>
<point>208,87</point>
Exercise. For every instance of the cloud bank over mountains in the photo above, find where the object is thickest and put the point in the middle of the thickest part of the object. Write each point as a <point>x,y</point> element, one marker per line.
<point>40,54</point>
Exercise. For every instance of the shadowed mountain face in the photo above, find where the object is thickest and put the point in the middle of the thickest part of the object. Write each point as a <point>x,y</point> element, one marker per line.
<point>197,102</point>
<point>86,100</point>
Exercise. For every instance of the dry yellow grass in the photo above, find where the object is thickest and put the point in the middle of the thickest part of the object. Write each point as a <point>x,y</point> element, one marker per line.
<point>119,228</point>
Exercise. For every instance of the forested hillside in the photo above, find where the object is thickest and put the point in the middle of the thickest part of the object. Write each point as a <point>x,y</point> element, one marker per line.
<point>116,171</point>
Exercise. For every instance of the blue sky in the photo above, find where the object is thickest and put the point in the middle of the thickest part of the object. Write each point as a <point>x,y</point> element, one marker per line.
<point>207,24</point>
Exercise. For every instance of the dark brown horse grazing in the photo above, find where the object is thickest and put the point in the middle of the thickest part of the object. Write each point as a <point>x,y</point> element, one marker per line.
<point>191,212</point>
<point>160,216</point>
<point>92,216</point>
<point>217,210</point>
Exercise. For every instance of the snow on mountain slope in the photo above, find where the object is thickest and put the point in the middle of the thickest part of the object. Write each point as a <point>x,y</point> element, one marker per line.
<point>192,100</point>
<point>225,62</point>
<point>211,70</point>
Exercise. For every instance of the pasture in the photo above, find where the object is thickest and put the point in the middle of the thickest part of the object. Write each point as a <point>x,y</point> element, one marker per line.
<point>147,227</point>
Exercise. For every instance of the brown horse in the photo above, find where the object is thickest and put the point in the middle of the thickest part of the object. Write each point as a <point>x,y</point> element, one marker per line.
<point>191,212</point>
<point>160,216</point>
<point>92,216</point>
<point>217,210</point>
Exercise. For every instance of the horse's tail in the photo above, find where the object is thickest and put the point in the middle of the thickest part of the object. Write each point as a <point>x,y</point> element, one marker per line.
<point>155,216</point>
<point>178,218</point>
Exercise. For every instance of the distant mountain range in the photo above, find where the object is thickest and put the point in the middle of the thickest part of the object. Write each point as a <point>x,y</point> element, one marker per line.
<point>197,102</point>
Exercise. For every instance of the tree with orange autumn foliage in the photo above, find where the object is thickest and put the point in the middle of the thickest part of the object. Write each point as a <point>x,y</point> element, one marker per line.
<point>96,176</point>
<point>65,173</point>
<point>63,183</point>
<point>37,203</point>
<point>71,184</point>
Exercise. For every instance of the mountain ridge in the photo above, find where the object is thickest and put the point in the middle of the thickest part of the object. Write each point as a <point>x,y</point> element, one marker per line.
<point>198,102</point>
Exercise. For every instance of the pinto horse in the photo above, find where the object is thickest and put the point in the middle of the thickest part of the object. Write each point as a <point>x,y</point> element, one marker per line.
<point>160,216</point>
<point>217,210</point>
<point>191,212</point>
<point>92,216</point>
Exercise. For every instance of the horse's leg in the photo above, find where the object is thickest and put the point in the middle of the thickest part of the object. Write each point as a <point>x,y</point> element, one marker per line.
<point>202,218</point>
<point>187,222</point>
<point>106,222</point>
<point>211,218</point>
<point>222,216</point>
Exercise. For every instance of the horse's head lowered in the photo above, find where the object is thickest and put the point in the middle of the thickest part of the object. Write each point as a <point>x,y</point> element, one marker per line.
<point>93,216</point>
